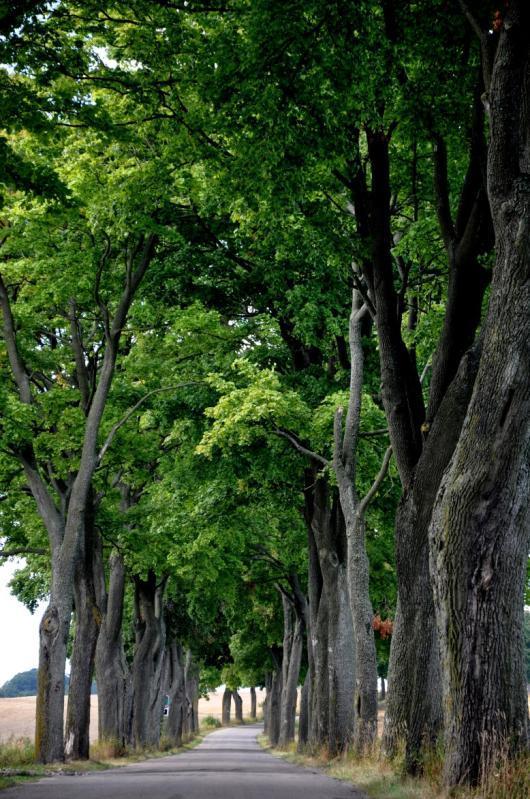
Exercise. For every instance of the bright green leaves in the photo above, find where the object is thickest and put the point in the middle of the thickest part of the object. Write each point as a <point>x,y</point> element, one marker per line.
<point>247,413</point>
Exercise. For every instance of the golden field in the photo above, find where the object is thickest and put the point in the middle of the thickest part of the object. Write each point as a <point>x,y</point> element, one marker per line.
<point>17,715</point>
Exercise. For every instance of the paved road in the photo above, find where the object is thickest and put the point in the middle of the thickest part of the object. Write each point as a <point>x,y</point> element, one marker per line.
<point>228,764</point>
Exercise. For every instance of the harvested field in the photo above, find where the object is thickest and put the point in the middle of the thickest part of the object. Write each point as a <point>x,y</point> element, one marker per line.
<point>17,716</point>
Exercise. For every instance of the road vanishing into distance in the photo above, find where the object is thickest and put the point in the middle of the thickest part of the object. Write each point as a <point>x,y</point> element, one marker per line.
<point>228,764</point>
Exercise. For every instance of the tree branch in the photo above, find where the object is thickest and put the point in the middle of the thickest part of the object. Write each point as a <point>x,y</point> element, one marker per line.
<point>441,189</point>
<point>114,429</point>
<point>17,551</point>
<point>18,367</point>
<point>299,447</point>
<point>363,505</point>
<point>79,356</point>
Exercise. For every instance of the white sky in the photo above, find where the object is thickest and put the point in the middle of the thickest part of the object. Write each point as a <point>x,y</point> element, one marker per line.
<point>19,629</point>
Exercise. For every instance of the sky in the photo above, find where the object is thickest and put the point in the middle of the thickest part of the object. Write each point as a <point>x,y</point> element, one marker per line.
<point>19,629</point>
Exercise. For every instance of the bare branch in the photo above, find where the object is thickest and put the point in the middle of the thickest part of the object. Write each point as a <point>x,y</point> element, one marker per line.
<point>376,484</point>
<point>299,447</point>
<point>383,431</point>
<point>131,411</point>
<point>353,415</point>
<point>441,188</point>
<point>17,551</point>
<point>17,364</point>
<point>79,356</point>
<point>471,19</point>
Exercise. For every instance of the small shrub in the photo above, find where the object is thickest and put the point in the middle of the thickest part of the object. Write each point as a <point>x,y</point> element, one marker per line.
<point>166,743</point>
<point>211,721</point>
<point>511,780</point>
<point>16,752</point>
<point>107,749</point>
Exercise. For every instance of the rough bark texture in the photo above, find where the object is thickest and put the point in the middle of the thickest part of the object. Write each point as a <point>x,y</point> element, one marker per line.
<point>87,621</point>
<point>293,638</point>
<point>274,697</point>
<point>112,671</point>
<point>148,662</point>
<point>226,704</point>
<point>303,725</point>
<point>479,536</point>
<point>266,703</point>
<point>53,635</point>
<point>176,691</point>
<point>335,718</point>
<point>465,240</point>
<point>358,567</point>
<point>238,707</point>
<point>253,703</point>
<point>191,683</point>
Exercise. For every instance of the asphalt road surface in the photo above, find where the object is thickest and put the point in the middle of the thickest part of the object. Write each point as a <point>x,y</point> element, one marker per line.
<point>228,764</point>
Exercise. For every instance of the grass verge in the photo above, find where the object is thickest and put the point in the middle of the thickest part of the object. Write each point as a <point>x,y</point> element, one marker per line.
<point>17,758</point>
<point>381,779</point>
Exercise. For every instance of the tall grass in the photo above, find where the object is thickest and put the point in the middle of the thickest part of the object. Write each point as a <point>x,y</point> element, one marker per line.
<point>383,779</point>
<point>16,752</point>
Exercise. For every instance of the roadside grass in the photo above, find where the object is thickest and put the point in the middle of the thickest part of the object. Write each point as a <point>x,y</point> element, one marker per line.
<point>17,758</point>
<point>382,779</point>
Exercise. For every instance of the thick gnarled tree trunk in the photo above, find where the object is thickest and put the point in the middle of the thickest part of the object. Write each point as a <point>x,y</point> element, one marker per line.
<point>176,691</point>
<point>293,639</point>
<point>253,703</point>
<point>148,662</point>
<point>479,536</point>
<point>112,671</point>
<point>334,652</point>
<point>87,622</point>
<point>226,706</point>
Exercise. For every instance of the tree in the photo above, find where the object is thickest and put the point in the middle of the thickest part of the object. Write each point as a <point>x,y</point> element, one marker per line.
<point>479,532</point>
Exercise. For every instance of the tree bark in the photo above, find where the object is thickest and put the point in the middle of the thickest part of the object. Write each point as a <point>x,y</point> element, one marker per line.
<point>148,662</point>
<point>334,608</point>
<point>291,661</point>
<point>253,703</point>
<point>267,703</point>
<point>227,701</point>
<point>112,671</point>
<point>176,691</point>
<point>275,705</point>
<point>87,621</point>
<point>479,535</point>
<point>358,567</point>
<point>418,718</point>
<point>238,707</point>
<point>303,726</point>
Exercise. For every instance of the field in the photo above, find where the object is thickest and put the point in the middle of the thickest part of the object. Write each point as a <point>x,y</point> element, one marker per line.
<point>17,716</point>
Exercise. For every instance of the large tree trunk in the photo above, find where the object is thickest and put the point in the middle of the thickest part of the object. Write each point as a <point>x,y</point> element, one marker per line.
<point>191,679</point>
<point>303,726</point>
<point>148,663</point>
<point>87,620</point>
<point>225,710</point>
<point>412,714</point>
<point>275,706</point>
<point>414,707</point>
<point>267,703</point>
<point>176,691</point>
<point>238,707</point>
<point>479,536</point>
<point>53,636</point>
<point>358,567</point>
<point>253,703</point>
<point>291,661</point>
<point>112,671</point>
<point>339,655</point>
